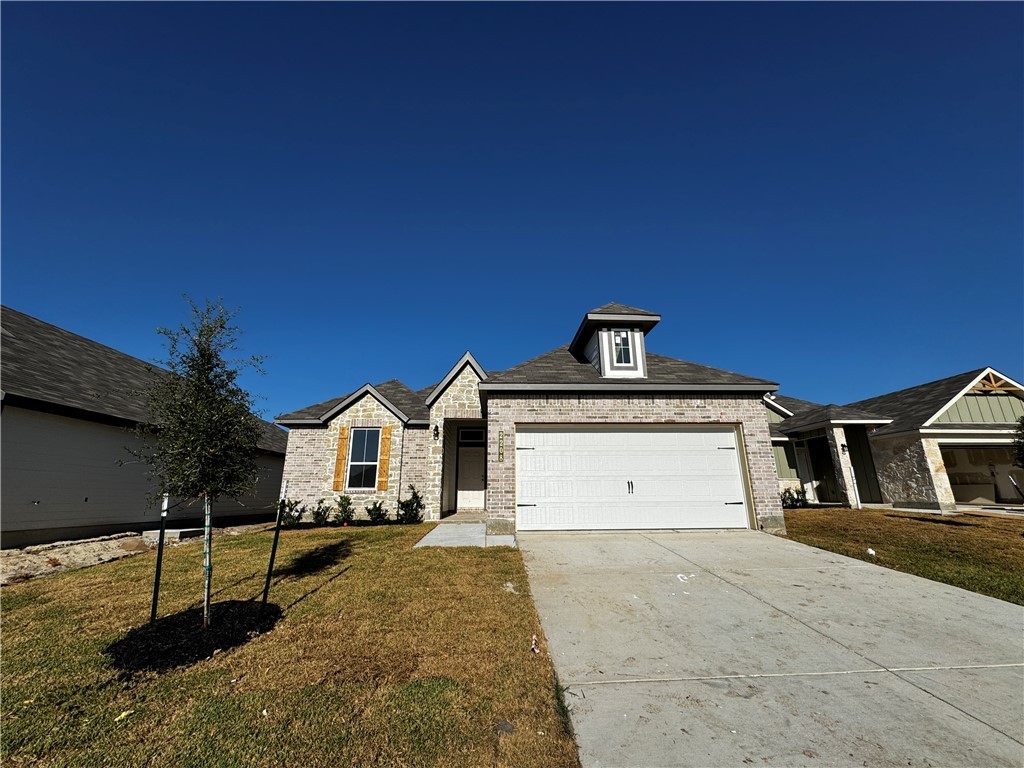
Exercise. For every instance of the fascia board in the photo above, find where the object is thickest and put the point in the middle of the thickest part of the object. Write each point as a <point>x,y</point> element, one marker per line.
<point>777,407</point>
<point>950,440</point>
<point>497,387</point>
<point>298,422</point>
<point>967,431</point>
<point>366,389</point>
<point>833,423</point>
<point>466,359</point>
<point>635,319</point>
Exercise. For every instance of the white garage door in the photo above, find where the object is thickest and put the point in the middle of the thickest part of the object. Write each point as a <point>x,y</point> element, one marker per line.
<point>580,478</point>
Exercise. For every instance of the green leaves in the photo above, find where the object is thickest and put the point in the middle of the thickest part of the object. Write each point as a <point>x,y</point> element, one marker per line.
<point>201,438</point>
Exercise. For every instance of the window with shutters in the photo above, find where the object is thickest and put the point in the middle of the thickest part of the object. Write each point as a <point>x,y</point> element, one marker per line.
<point>364,456</point>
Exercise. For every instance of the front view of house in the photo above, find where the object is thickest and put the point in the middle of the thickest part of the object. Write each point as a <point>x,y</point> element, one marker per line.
<point>596,434</point>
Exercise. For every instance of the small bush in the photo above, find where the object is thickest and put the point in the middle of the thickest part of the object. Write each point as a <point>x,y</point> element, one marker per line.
<point>410,510</point>
<point>291,512</point>
<point>321,513</point>
<point>377,513</point>
<point>343,511</point>
<point>794,498</point>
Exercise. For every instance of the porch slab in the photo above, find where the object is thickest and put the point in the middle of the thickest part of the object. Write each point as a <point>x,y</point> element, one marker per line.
<point>464,535</point>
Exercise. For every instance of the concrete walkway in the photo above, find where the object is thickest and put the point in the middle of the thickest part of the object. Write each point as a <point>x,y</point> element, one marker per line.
<point>740,648</point>
<point>463,535</point>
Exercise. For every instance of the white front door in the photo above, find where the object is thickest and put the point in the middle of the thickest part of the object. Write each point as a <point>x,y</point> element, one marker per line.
<point>589,477</point>
<point>470,482</point>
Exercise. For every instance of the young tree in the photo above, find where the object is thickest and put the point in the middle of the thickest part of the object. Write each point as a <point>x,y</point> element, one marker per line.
<point>201,438</point>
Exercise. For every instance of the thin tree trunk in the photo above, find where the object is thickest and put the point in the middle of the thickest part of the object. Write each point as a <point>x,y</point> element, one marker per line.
<point>207,557</point>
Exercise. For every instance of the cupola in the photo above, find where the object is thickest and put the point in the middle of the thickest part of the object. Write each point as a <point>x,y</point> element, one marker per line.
<point>611,338</point>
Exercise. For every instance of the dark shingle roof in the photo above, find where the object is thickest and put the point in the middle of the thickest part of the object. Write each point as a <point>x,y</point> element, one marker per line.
<point>412,404</point>
<point>404,399</point>
<point>47,364</point>
<point>910,408</point>
<point>795,405</point>
<point>559,366</point>
<point>620,309</point>
<point>827,413</point>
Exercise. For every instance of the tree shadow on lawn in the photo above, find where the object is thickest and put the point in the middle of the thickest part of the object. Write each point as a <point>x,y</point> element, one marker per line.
<point>318,559</point>
<point>937,519</point>
<point>179,640</point>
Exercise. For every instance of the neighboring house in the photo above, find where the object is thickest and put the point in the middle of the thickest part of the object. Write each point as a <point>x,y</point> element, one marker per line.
<point>931,446</point>
<point>66,402</point>
<point>596,434</point>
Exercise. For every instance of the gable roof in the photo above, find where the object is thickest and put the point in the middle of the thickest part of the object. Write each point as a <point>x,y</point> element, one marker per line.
<point>44,365</point>
<point>912,407</point>
<point>407,405</point>
<point>559,369</point>
<point>438,390</point>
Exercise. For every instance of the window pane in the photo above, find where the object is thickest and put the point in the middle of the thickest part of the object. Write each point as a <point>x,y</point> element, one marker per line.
<point>362,476</point>
<point>372,440</point>
<point>622,349</point>
<point>358,444</point>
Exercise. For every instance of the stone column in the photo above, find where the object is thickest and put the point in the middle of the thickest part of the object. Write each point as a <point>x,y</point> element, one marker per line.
<point>844,468</point>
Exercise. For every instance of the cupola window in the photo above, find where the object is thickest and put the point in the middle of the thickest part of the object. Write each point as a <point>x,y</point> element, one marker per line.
<point>623,352</point>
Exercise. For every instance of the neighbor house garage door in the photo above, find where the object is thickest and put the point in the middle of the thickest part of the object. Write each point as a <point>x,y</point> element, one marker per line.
<point>579,478</point>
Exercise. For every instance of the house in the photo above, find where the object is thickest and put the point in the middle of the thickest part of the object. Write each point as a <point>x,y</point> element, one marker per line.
<point>66,402</point>
<point>932,446</point>
<point>596,434</point>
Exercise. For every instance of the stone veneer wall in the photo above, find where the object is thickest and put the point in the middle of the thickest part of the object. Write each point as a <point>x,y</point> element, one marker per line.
<point>312,453</point>
<point>911,472</point>
<point>460,400</point>
<point>836,437</point>
<point>506,409</point>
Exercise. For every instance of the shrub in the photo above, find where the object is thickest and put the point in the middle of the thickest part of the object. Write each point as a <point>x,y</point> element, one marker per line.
<point>343,509</point>
<point>377,513</point>
<point>794,498</point>
<point>410,510</point>
<point>321,513</point>
<point>291,512</point>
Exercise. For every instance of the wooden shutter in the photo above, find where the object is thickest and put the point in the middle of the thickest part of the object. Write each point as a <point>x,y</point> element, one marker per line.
<point>339,464</point>
<point>385,456</point>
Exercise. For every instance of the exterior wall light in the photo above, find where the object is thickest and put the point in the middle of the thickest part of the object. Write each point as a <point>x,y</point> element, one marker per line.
<point>437,432</point>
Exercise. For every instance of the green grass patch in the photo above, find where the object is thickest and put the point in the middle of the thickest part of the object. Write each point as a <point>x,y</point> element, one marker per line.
<point>977,552</point>
<point>376,654</point>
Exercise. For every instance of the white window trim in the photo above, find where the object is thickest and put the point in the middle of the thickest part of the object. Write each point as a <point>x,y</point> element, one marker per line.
<point>375,464</point>
<point>616,334</point>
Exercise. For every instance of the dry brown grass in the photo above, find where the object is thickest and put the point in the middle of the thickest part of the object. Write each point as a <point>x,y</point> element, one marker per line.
<point>981,553</point>
<point>383,655</point>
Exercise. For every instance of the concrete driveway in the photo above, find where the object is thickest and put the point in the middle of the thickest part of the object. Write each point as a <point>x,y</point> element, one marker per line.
<point>734,648</point>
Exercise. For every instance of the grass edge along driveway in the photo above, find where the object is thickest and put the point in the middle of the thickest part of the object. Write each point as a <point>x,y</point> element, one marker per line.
<point>381,655</point>
<point>979,553</point>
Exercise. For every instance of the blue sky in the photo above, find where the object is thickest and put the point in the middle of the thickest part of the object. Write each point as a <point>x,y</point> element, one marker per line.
<point>826,195</point>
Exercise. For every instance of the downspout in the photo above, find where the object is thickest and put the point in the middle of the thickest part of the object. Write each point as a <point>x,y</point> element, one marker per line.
<point>401,464</point>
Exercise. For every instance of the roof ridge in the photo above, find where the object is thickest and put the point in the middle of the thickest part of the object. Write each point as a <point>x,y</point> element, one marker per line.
<point>964,374</point>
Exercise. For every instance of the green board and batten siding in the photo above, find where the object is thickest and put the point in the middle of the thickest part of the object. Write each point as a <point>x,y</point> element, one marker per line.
<point>785,462</point>
<point>983,409</point>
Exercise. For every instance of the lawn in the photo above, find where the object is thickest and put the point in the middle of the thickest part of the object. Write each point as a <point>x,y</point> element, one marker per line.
<point>981,553</point>
<point>373,653</point>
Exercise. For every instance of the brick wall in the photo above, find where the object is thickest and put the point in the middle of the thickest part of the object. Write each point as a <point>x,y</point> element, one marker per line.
<point>312,453</point>
<point>505,410</point>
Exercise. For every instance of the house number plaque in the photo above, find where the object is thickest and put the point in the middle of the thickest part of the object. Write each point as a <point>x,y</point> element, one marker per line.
<point>501,446</point>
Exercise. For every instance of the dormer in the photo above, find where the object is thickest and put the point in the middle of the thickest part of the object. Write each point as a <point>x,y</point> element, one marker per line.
<point>611,338</point>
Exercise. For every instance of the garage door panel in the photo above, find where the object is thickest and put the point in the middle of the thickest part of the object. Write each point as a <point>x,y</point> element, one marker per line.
<point>579,478</point>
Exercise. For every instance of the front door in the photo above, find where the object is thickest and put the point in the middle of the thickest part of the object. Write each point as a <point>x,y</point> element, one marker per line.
<point>470,483</point>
